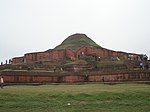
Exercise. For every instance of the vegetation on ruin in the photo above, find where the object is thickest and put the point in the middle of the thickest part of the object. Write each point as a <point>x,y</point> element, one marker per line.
<point>76,41</point>
<point>76,98</point>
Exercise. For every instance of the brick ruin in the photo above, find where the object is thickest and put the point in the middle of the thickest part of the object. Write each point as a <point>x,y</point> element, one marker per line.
<point>85,64</point>
<point>72,77</point>
<point>101,53</point>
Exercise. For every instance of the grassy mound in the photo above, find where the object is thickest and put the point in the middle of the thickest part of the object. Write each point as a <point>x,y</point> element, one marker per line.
<point>76,41</point>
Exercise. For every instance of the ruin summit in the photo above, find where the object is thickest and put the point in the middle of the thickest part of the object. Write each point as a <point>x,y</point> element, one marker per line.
<point>74,47</point>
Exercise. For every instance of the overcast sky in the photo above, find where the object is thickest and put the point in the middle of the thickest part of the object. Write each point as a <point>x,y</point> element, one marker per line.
<point>38,25</point>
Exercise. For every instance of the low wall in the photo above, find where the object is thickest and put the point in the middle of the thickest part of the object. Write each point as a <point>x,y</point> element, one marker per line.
<point>73,77</point>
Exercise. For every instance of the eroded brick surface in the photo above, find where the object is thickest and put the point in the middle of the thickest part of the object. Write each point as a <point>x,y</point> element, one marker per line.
<point>73,55</point>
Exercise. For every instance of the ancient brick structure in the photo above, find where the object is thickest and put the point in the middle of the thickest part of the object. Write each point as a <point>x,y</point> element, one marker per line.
<point>77,60</point>
<point>72,77</point>
<point>72,48</point>
<point>73,55</point>
<point>18,60</point>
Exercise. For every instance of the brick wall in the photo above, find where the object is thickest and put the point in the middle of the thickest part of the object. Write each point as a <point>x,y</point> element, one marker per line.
<point>30,57</point>
<point>18,60</point>
<point>62,54</point>
<point>58,54</point>
<point>72,77</point>
<point>43,56</point>
<point>102,52</point>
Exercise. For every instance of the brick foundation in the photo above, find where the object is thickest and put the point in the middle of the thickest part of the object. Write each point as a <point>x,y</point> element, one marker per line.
<point>49,77</point>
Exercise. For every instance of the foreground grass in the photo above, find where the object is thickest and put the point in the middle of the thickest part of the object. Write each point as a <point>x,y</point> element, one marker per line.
<point>83,98</point>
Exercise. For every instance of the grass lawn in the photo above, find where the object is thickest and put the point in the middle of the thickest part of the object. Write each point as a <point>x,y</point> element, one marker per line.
<point>82,98</point>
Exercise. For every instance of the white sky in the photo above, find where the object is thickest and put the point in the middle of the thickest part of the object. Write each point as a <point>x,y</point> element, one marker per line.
<point>38,25</point>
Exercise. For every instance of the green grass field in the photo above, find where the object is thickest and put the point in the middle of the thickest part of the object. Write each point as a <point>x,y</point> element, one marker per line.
<point>82,98</point>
